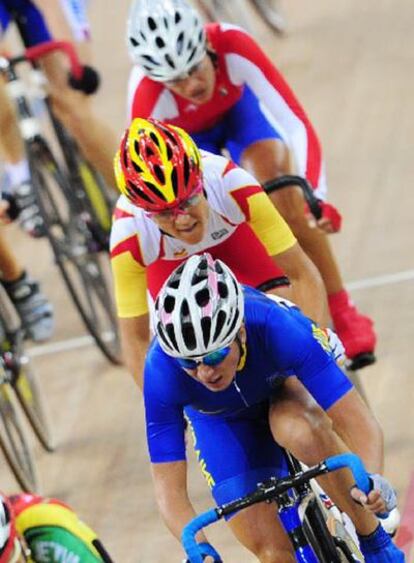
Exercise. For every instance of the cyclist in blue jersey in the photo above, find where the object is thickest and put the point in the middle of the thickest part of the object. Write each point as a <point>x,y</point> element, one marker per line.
<point>221,354</point>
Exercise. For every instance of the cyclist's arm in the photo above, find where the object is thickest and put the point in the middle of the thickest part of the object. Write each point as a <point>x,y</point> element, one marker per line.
<point>170,483</point>
<point>248,64</point>
<point>131,302</point>
<point>135,337</point>
<point>307,289</point>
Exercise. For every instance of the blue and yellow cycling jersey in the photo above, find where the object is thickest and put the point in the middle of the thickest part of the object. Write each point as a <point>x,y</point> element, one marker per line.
<point>281,341</point>
<point>230,428</point>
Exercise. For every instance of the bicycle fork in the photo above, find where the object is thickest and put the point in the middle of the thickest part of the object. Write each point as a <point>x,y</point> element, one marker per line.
<point>289,516</point>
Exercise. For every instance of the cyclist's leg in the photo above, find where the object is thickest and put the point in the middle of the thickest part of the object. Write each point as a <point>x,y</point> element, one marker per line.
<point>299,424</point>
<point>261,151</point>
<point>35,311</point>
<point>74,109</point>
<point>251,457</point>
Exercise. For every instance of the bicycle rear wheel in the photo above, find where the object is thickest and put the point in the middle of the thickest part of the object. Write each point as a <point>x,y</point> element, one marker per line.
<point>14,442</point>
<point>84,269</point>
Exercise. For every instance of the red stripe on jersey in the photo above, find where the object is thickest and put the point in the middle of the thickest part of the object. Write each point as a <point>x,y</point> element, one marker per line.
<point>237,42</point>
<point>241,195</point>
<point>230,166</point>
<point>146,97</point>
<point>129,245</point>
<point>121,214</point>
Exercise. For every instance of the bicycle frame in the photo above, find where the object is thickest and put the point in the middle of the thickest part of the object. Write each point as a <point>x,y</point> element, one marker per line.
<point>278,490</point>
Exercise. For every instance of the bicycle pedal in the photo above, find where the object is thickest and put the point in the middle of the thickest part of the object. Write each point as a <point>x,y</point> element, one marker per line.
<point>361,361</point>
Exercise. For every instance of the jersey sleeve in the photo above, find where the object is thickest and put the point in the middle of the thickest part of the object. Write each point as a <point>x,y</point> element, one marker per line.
<point>298,346</point>
<point>258,210</point>
<point>164,398</point>
<point>129,274</point>
<point>248,64</point>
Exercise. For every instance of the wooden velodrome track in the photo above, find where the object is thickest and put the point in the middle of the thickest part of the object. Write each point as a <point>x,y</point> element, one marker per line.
<point>351,65</point>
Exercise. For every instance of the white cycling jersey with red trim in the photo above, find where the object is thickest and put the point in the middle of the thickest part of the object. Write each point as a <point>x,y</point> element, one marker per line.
<point>240,62</point>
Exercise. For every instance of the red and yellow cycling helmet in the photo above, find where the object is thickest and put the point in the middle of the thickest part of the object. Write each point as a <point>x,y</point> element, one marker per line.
<point>157,166</point>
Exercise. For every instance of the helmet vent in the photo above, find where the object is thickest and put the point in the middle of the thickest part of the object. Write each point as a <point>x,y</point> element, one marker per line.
<point>154,138</point>
<point>150,60</point>
<point>180,43</point>
<point>221,319</point>
<point>203,297</point>
<point>206,329</point>
<point>169,151</point>
<point>169,304</point>
<point>186,170</point>
<point>177,17</point>
<point>160,332</point>
<point>152,24</point>
<point>153,188</point>
<point>189,336</point>
<point>222,290</point>
<point>137,168</point>
<point>158,171</point>
<point>171,334</point>
<point>174,181</point>
<point>185,310</point>
<point>169,61</point>
<point>160,42</point>
<point>192,54</point>
<point>134,42</point>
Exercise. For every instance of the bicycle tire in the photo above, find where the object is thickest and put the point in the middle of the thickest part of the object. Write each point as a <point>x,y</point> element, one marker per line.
<point>271,15</point>
<point>22,375</point>
<point>81,266</point>
<point>92,194</point>
<point>14,441</point>
<point>28,391</point>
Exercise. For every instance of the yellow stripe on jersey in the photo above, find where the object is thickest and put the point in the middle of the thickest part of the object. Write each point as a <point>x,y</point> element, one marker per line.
<point>44,514</point>
<point>130,281</point>
<point>269,225</point>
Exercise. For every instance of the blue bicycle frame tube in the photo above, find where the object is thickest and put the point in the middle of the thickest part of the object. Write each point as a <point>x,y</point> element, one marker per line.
<point>289,516</point>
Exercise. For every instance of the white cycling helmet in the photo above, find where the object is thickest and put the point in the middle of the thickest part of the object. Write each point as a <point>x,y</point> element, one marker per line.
<point>165,37</point>
<point>199,308</point>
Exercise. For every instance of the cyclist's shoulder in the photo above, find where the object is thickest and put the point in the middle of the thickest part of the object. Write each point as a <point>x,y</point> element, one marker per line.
<point>130,223</point>
<point>224,37</point>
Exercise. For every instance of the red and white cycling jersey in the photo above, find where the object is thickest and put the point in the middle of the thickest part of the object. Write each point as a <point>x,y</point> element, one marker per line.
<point>244,229</point>
<point>240,62</point>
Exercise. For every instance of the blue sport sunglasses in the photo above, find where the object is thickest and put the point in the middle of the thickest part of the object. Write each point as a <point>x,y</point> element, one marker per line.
<point>212,359</point>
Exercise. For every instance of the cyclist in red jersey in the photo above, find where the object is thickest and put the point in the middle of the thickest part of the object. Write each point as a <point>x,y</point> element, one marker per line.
<point>218,84</point>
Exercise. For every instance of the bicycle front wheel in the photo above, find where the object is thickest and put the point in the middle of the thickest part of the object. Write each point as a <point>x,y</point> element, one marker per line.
<point>14,441</point>
<point>31,398</point>
<point>84,269</point>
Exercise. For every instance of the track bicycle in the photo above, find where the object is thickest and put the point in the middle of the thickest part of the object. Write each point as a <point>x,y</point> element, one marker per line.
<point>300,512</point>
<point>74,205</point>
<point>269,11</point>
<point>19,385</point>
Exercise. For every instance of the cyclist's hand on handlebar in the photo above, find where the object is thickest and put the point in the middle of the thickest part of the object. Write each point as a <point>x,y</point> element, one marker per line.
<point>381,500</point>
<point>88,83</point>
<point>331,219</point>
